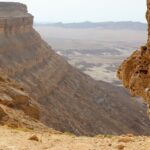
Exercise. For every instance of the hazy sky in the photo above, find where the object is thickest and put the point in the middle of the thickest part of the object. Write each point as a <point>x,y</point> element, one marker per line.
<point>86,10</point>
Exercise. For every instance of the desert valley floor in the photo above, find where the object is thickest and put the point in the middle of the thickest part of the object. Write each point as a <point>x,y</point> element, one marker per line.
<point>97,52</point>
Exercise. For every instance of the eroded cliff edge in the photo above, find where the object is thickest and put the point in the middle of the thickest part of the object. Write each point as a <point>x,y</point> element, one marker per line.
<point>67,99</point>
<point>135,70</point>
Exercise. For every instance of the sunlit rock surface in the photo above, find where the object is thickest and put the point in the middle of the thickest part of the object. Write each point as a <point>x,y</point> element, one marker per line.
<point>67,100</point>
<point>135,70</point>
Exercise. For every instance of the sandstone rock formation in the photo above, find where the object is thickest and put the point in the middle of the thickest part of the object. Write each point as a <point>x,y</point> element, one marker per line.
<point>67,99</point>
<point>13,96</point>
<point>17,109</point>
<point>135,70</point>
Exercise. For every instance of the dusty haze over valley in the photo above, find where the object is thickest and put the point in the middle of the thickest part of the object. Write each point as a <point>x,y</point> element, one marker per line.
<point>95,48</point>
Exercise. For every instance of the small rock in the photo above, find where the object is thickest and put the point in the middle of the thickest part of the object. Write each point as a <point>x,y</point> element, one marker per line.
<point>125,139</point>
<point>120,147</point>
<point>130,135</point>
<point>34,138</point>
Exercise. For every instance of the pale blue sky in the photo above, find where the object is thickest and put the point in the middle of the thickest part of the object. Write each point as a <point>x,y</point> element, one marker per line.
<point>86,10</point>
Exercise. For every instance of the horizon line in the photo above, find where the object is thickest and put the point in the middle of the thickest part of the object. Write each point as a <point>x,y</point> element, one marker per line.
<point>61,22</point>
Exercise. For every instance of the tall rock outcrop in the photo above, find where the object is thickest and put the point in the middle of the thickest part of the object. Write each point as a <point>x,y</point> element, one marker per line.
<point>135,70</point>
<point>67,99</point>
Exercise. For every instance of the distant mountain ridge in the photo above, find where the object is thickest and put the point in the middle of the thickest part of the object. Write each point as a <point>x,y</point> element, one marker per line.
<point>103,25</point>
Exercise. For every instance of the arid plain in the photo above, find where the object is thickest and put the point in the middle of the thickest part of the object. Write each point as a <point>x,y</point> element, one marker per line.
<point>96,51</point>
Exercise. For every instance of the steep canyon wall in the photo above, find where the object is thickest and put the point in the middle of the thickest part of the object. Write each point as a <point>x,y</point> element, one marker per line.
<point>68,100</point>
<point>135,70</point>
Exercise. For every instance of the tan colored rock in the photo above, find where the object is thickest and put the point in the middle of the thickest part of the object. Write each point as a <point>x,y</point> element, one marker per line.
<point>34,138</point>
<point>32,111</point>
<point>120,147</point>
<point>19,138</point>
<point>12,96</point>
<point>59,95</point>
<point>125,139</point>
<point>135,71</point>
<point>3,116</point>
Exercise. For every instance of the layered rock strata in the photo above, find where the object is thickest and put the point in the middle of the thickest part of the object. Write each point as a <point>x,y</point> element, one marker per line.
<point>16,105</point>
<point>67,99</point>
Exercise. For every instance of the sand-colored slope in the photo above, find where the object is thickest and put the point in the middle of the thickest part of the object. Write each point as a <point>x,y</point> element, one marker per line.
<point>18,139</point>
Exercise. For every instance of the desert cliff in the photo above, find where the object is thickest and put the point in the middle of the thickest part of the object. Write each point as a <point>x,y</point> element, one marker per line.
<point>135,70</point>
<point>61,96</point>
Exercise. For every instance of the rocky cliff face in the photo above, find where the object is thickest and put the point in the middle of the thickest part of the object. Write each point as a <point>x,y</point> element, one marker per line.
<point>17,109</point>
<point>67,99</point>
<point>135,70</point>
<point>14,21</point>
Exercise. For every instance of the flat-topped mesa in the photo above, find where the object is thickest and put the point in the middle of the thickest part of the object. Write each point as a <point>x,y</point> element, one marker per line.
<point>135,70</point>
<point>14,19</point>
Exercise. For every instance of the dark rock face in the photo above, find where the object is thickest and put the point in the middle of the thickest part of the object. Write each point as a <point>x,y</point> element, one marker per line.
<point>68,99</point>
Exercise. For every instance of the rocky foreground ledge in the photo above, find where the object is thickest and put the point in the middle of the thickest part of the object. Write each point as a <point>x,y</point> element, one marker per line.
<point>22,139</point>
